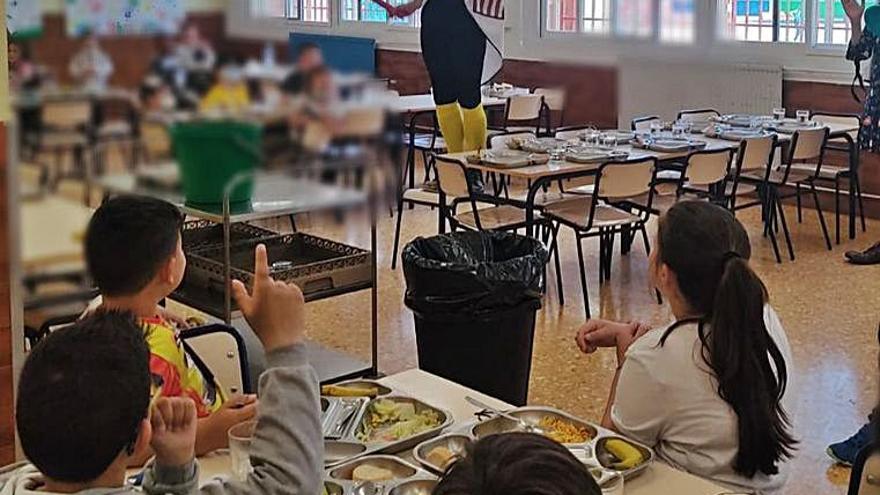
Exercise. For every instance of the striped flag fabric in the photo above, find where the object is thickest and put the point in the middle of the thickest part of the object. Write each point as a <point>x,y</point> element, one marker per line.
<point>488,8</point>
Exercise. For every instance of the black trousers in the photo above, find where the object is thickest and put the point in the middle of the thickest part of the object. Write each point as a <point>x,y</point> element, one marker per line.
<point>453,47</point>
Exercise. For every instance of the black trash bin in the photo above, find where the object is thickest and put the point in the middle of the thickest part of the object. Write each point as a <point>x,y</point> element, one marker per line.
<point>474,296</point>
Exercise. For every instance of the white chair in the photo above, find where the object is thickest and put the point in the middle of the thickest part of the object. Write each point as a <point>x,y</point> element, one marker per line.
<point>836,174</point>
<point>640,124</point>
<point>523,113</point>
<point>220,351</point>
<point>66,128</point>
<point>706,173</point>
<point>554,104</point>
<point>699,117</point>
<point>623,200</point>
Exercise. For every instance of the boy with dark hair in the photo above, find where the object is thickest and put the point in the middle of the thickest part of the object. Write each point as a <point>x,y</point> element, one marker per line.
<point>134,253</point>
<point>309,57</point>
<point>83,410</point>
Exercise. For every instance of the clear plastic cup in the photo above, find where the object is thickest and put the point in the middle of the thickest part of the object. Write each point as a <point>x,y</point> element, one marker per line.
<point>656,127</point>
<point>613,486</point>
<point>779,114</point>
<point>609,140</point>
<point>803,116</point>
<point>240,437</point>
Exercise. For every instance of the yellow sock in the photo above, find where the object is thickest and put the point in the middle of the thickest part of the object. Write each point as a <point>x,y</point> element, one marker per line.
<point>451,126</point>
<point>474,128</point>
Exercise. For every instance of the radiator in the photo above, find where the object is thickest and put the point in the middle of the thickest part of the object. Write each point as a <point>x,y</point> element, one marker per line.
<point>653,88</point>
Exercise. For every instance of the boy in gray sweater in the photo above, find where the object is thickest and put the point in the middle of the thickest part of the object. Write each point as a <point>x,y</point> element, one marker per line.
<point>84,409</point>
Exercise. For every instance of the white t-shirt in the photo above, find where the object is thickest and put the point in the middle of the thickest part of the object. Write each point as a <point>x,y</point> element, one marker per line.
<point>667,398</point>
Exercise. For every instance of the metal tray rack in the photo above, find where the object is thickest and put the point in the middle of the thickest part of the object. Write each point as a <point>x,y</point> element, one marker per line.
<point>409,478</point>
<point>203,234</point>
<point>318,266</point>
<point>343,419</point>
<point>592,452</point>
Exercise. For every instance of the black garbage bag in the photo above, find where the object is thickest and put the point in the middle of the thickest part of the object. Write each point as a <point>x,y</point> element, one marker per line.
<point>471,273</point>
<point>474,296</point>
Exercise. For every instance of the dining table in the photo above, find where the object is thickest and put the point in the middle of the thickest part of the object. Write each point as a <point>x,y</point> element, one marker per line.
<point>659,477</point>
<point>539,176</point>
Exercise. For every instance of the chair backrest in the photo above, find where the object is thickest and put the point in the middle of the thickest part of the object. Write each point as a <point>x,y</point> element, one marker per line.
<point>699,115</point>
<point>705,168</point>
<point>452,177</point>
<point>839,119</point>
<point>643,123</point>
<point>155,139</point>
<point>223,352</point>
<point>362,123</point>
<point>499,141</point>
<point>316,137</point>
<point>554,98</point>
<point>67,114</point>
<point>808,144</point>
<point>623,180</point>
<point>756,153</point>
<point>524,107</point>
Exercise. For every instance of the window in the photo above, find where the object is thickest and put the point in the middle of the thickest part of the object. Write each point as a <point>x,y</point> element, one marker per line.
<point>765,20</point>
<point>626,18</point>
<point>832,27</point>
<point>302,10</point>
<point>369,11</point>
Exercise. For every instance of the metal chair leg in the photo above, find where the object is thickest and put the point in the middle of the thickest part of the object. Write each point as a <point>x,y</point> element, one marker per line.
<point>397,233</point>
<point>858,185</point>
<point>785,229</point>
<point>837,208</point>
<point>767,222</point>
<point>821,216</point>
<point>797,189</point>
<point>554,251</point>
<point>580,253</point>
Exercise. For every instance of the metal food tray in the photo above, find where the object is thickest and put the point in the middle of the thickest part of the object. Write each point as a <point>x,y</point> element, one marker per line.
<point>409,480</point>
<point>341,443</point>
<point>590,452</point>
<point>204,234</point>
<point>314,264</point>
<point>595,156</point>
<point>672,146</point>
<point>509,158</point>
<point>535,145</point>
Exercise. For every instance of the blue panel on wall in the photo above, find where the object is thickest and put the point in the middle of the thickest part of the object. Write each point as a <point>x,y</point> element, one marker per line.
<point>342,53</point>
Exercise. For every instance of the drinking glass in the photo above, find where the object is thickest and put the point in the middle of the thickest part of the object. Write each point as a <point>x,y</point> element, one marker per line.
<point>609,140</point>
<point>592,137</point>
<point>803,116</point>
<point>679,128</point>
<point>613,486</point>
<point>240,437</point>
<point>779,114</point>
<point>656,127</point>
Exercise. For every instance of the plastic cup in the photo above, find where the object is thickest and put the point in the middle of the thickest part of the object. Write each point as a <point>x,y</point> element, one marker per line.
<point>613,486</point>
<point>240,437</point>
<point>803,116</point>
<point>779,114</point>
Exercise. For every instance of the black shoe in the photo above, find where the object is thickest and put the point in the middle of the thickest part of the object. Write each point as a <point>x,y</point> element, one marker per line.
<point>870,256</point>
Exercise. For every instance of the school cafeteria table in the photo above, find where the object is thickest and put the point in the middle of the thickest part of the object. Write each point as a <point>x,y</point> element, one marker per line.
<point>659,478</point>
<point>542,175</point>
<point>412,107</point>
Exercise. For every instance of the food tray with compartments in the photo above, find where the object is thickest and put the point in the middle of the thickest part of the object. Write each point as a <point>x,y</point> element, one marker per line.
<point>353,426</point>
<point>203,234</point>
<point>403,478</point>
<point>508,158</point>
<point>592,451</point>
<point>316,265</point>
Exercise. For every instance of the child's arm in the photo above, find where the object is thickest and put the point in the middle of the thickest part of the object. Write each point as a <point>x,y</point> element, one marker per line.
<point>288,447</point>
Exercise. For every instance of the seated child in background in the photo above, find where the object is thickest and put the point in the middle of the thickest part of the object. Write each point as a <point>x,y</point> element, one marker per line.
<point>84,410</point>
<point>317,109</point>
<point>517,464</point>
<point>134,254</point>
<point>230,92</point>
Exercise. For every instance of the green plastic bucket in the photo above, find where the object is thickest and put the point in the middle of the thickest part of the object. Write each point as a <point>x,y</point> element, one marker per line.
<point>210,154</point>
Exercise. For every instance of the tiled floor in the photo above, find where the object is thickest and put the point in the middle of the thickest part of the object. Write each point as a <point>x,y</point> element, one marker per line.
<point>829,309</point>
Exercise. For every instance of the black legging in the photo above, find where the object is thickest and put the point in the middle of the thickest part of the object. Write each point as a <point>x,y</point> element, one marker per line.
<point>453,46</point>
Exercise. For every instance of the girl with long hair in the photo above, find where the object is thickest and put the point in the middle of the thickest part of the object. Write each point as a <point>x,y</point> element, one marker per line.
<point>709,391</point>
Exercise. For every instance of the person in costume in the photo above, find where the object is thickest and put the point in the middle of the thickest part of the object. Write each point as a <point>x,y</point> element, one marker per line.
<point>863,44</point>
<point>461,46</point>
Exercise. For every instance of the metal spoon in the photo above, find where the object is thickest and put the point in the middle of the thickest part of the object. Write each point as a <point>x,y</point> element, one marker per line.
<point>526,427</point>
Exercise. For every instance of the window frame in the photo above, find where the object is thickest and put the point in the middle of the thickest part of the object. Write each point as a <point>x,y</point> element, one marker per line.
<point>410,25</point>
<point>614,33</point>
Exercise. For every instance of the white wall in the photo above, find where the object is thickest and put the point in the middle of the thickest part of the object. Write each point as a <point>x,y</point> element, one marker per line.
<point>524,41</point>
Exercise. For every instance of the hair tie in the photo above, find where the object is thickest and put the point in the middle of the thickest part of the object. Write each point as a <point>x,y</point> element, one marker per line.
<point>729,256</point>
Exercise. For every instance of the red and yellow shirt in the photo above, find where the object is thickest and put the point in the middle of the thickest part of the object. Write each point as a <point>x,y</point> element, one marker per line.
<point>174,372</point>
